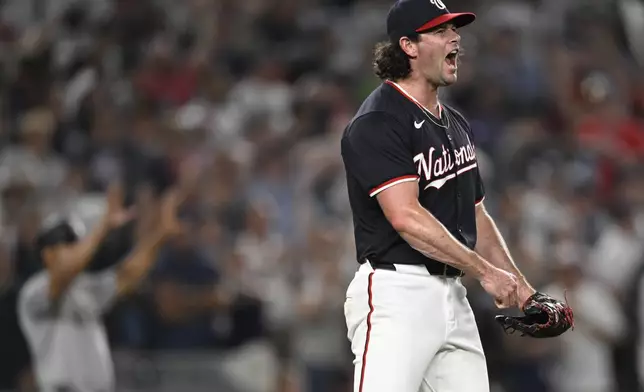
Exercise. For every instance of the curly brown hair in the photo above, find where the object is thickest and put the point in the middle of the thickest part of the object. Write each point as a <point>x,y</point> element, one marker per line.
<point>390,61</point>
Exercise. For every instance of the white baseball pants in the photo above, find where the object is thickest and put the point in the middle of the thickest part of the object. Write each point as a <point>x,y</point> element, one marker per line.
<point>413,332</point>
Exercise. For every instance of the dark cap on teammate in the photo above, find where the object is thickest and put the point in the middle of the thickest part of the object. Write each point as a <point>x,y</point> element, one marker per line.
<point>416,16</point>
<point>59,231</point>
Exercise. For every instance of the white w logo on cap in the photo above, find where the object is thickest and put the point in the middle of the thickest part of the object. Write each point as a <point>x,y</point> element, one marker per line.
<point>438,3</point>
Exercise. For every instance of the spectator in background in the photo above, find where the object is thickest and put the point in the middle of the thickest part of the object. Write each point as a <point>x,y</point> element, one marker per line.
<point>265,272</point>
<point>637,295</point>
<point>25,258</point>
<point>164,78</point>
<point>609,128</point>
<point>34,157</point>
<point>265,92</point>
<point>618,253</point>
<point>272,172</point>
<point>518,75</point>
<point>319,331</point>
<point>15,369</point>
<point>102,151</point>
<point>222,193</point>
<point>186,296</point>
<point>32,87</point>
<point>133,24</point>
<point>584,358</point>
<point>18,196</point>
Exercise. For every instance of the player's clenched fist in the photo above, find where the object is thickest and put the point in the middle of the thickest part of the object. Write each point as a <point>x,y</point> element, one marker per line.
<point>502,286</point>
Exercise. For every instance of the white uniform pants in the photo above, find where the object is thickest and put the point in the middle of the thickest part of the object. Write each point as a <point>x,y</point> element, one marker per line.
<point>411,331</point>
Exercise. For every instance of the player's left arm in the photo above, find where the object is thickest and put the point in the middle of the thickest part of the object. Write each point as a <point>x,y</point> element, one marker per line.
<point>490,243</point>
<point>142,258</point>
<point>491,246</point>
<point>106,287</point>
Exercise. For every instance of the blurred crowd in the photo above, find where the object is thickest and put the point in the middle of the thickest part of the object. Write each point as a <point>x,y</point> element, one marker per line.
<point>256,93</point>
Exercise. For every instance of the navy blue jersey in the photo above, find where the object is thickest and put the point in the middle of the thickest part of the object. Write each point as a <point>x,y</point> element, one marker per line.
<point>392,139</point>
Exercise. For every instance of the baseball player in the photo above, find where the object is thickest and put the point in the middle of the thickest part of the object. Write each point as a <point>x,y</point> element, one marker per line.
<point>60,308</point>
<point>420,222</point>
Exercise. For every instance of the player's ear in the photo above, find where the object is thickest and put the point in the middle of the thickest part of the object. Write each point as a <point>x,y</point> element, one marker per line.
<point>409,47</point>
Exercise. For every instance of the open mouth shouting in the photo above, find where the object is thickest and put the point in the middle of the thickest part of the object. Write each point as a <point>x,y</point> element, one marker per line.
<point>451,60</point>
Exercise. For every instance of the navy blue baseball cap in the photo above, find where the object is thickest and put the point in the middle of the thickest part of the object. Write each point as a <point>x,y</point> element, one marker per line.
<point>59,231</point>
<point>416,16</point>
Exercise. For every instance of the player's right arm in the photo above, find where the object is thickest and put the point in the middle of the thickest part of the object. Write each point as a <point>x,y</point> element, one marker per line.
<point>377,151</point>
<point>424,232</point>
<point>427,235</point>
<point>71,261</point>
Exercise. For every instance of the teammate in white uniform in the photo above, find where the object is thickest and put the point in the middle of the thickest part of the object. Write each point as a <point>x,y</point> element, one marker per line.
<point>60,308</point>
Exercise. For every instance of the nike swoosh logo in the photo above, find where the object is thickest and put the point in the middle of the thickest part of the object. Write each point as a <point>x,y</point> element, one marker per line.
<point>419,124</point>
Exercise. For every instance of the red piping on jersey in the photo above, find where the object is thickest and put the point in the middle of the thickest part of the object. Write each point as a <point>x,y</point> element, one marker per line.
<point>385,184</point>
<point>479,201</point>
<point>414,100</point>
<point>366,342</point>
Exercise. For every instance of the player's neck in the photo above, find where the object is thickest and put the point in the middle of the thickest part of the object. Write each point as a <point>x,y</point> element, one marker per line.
<point>425,93</point>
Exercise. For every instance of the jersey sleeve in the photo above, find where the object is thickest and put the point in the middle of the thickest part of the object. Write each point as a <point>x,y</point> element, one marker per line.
<point>375,151</point>
<point>101,288</point>
<point>34,298</point>
<point>88,296</point>
<point>480,189</point>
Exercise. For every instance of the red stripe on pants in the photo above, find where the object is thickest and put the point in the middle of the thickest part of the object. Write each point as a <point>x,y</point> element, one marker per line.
<point>366,343</point>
